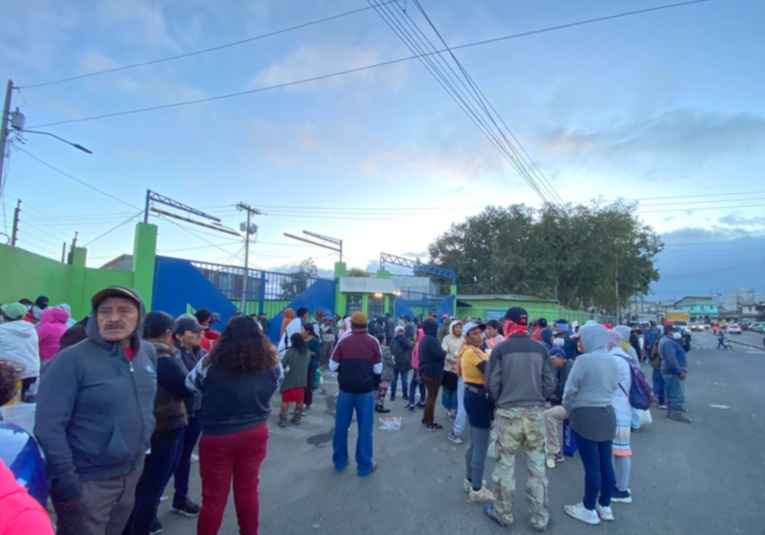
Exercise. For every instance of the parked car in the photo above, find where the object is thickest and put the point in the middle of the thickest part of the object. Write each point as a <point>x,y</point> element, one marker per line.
<point>734,328</point>
<point>757,327</point>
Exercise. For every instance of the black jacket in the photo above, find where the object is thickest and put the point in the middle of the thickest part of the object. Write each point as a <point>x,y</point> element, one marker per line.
<point>432,356</point>
<point>402,352</point>
<point>169,409</point>
<point>561,375</point>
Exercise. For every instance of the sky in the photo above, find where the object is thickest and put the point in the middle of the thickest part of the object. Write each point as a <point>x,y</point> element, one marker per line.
<point>664,108</point>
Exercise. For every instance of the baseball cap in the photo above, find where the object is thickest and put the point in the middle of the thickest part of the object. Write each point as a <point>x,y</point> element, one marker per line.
<point>14,311</point>
<point>115,291</point>
<point>187,324</point>
<point>469,326</point>
<point>518,315</point>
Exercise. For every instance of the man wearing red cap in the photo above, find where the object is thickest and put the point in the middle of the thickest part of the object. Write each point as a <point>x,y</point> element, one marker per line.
<point>519,378</point>
<point>95,416</point>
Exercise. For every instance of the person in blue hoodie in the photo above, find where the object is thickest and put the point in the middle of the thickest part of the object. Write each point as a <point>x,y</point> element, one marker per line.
<point>95,416</point>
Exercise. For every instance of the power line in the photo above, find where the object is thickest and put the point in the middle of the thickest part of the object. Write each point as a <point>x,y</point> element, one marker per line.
<point>70,177</point>
<point>365,67</point>
<point>203,50</point>
<point>114,228</point>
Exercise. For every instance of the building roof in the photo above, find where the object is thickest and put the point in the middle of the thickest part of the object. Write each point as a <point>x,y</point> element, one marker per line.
<point>503,297</point>
<point>121,263</point>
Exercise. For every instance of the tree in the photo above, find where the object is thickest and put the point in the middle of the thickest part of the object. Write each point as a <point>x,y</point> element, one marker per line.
<point>578,255</point>
<point>295,284</point>
<point>357,272</point>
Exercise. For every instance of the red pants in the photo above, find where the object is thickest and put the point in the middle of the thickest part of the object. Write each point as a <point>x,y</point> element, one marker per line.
<point>222,457</point>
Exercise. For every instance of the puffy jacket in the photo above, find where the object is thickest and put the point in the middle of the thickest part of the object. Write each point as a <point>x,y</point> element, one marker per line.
<point>432,356</point>
<point>19,345</point>
<point>95,409</point>
<point>51,328</point>
<point>402,352</point>
<point>169,407</point>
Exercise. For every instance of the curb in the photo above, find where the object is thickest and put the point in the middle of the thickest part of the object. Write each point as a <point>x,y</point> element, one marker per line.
<point>747,345</point>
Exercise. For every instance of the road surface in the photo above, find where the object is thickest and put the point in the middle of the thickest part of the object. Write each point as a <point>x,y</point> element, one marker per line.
<point>704,478</point>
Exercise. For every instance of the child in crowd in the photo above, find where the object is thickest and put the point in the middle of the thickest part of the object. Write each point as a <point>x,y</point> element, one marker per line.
<point>295,363</point>
<point>388,363</point>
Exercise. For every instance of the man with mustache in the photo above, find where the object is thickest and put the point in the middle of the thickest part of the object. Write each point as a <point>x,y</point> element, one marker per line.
<point>95,416</point>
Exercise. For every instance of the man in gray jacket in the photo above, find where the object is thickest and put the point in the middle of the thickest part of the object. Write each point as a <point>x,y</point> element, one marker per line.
<point>519,378</point>
<point>95,416</point>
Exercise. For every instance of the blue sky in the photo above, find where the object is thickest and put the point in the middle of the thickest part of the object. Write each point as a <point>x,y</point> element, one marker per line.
<point>659,107</point>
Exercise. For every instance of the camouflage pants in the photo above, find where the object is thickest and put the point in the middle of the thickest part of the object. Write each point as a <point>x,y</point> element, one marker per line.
<point>515,429</point>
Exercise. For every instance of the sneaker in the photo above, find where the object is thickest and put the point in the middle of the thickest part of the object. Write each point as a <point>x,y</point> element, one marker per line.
<point>558,457</point>
<point>423,423</point>
<point>410,408</point>
<point>467,485</point>
<point>306,411</point>
<point>488,510</point>
<point>480,496</point>
<point>580,512</point>
<point>382,410</point>
<point>450,415</point>
<point>454,438</point>
<point>679,417</point>
<point>434,427</point>
<point>194,458</point>
<point>420,405</point>
<point>186,508</point>
<point>663,406</point>
<point>156,527</point>
<point>621,496</point>
<point>604,513</point>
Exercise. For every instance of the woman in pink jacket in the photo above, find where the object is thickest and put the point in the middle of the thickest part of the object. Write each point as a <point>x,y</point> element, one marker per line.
<point>51,328</point>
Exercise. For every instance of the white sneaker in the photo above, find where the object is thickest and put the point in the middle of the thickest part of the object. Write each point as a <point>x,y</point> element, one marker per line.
<point>467,486</point>
<point>194,458</point>
<point>604,513</point>
<point>481,496</point>
<point>455,438</point>
<point>580,512</point>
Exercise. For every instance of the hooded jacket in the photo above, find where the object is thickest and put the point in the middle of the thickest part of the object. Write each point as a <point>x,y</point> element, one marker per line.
<point>431,354</point>
<point>595,375</point>
<point>19,345</point>
<point>519,373</point>
<point>401,348</point>
<point>52,327</point>
<point>95,409</point>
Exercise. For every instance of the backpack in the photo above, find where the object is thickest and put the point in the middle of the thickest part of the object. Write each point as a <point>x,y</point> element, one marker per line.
<point>641,393</point>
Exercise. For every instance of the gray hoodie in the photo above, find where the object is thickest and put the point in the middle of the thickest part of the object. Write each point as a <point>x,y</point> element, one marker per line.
<point>595,375</point>
<point>95,410</point>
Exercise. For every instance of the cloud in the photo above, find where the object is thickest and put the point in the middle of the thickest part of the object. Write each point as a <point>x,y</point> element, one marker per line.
<point>674,139</point>
<point>309,61</point>
<point>137,21</point>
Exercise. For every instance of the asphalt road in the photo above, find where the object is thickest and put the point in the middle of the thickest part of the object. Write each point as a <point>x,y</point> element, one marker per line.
<point>704,478</point>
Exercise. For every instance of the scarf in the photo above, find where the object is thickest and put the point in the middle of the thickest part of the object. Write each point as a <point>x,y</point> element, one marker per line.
<point>512,328</point>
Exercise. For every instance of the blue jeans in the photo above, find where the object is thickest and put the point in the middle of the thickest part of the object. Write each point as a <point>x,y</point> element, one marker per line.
<point>364,405</point>
<point>416,381</point>
<point>157,467</point>
<point>675,392</point>
<point>598,471</point>
<point>404,383</point>
<point>658,385</point>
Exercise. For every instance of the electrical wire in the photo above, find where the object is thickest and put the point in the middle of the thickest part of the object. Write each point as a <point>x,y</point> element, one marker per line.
<point>75,179</point>
<point>114,228</point>
<point>363,68</point>
<point>203,50</point>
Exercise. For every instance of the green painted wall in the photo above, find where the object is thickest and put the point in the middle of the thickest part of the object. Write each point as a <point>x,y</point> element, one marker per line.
<point>536,309</point>
<point>26,274</point>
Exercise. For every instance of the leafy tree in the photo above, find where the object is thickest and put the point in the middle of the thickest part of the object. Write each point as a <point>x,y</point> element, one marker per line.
<point>357,272</point>
<point>575,254</point>
<point>302,278</point>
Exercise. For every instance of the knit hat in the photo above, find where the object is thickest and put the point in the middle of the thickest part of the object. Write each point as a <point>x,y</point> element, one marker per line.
<point>557,352</point>
<point>359,318</point>
<point>517,315</point>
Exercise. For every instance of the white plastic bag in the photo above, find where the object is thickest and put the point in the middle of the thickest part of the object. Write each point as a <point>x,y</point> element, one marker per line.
<point>645,417</point>
<point>21,414</point>
<point>390,423</point>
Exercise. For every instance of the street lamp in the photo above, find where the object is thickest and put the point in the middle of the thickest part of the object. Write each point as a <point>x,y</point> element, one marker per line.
<point>17,123</point>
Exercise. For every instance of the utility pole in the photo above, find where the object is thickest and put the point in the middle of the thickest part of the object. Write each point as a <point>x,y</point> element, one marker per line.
<point>248,229</point>
<point>15,231</point>
<point>4,129</point>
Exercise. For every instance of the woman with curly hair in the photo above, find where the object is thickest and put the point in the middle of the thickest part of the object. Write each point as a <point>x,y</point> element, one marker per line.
<point>238,379</point>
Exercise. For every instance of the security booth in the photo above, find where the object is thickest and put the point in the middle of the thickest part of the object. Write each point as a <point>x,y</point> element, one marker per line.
<point>375,297</point>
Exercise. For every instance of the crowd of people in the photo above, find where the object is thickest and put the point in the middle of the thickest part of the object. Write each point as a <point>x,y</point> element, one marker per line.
<point>125,397</point>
